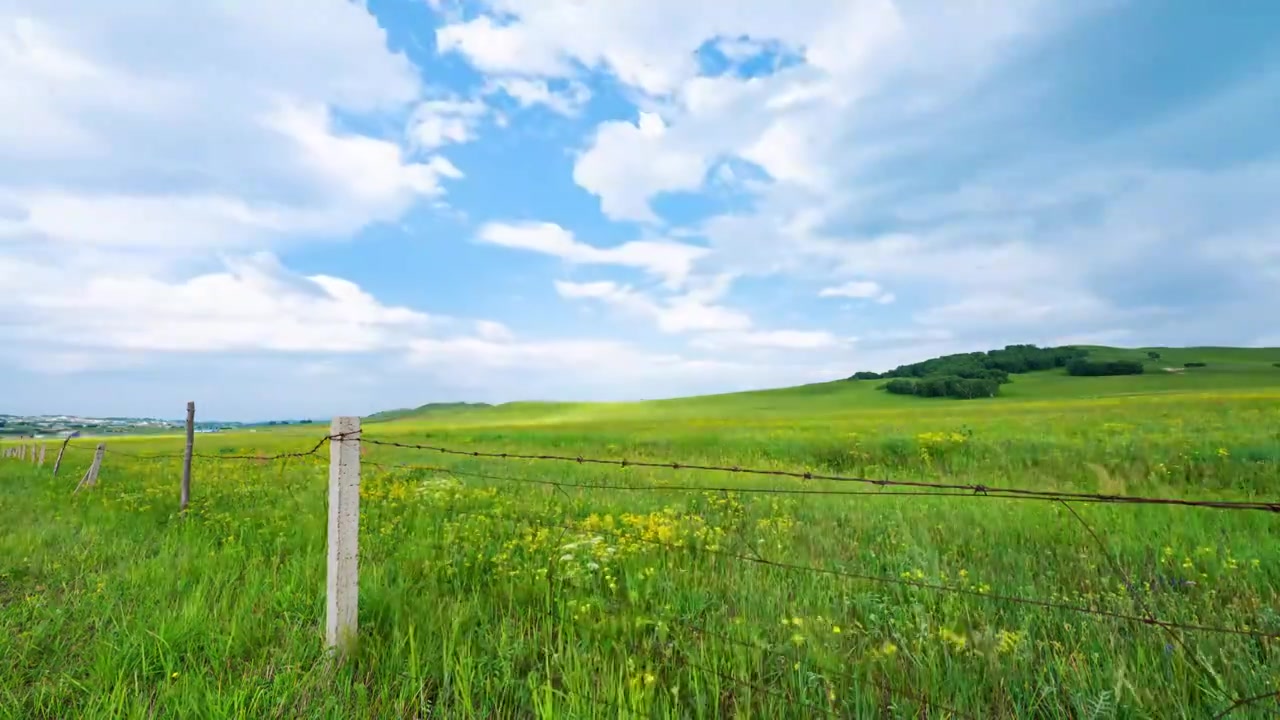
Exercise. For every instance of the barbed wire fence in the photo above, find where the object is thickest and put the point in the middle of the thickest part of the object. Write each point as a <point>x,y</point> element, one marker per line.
<point>347,444</point>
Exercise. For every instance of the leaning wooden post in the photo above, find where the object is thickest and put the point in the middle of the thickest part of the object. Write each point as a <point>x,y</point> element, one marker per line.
<point>186,457</point>
<point>344,527</point>
<point>58,463</point>
<point>90,478</point>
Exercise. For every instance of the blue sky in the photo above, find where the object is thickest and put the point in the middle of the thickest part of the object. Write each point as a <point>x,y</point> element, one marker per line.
<point>306,209</point>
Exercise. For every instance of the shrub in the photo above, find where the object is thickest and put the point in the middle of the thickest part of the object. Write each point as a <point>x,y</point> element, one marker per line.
<point>865,375</point>
<point>951,386</point>
<point>1095,368</point>
<point>994,364</point>
<point>1195,364</point>
<point>1153,355</point>
<point>970,388</point>
<point>901,386</point>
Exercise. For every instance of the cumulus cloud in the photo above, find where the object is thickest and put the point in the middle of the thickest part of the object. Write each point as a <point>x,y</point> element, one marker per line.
<point>252,304</point>
<point>436,123</point>
<point>771,339</point>
<point>142,130</point>
<point>858,289</point>
<point>671,261</point>
<point>689,312</point>
<point>628,164</point>
<point>568,100</point>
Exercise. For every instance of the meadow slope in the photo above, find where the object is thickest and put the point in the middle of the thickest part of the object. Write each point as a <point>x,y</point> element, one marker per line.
<point>496,588</point>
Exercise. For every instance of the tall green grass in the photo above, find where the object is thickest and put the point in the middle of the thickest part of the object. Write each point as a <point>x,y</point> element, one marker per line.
<point>495,597</point>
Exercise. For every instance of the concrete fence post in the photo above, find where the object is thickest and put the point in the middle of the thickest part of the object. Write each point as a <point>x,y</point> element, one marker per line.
<point>186,459</point>
<point>344,527</point>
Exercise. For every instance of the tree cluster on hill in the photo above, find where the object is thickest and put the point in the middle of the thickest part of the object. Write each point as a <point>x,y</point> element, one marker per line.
<point>971,375</point>
<point>1195,364</point>
<point>945,386</point>
<point>995,365</point>
<point>1094,368</point>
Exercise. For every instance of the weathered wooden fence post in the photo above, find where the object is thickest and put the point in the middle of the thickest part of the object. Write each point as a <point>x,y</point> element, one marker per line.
<point>344,527</point>
<point>186,457</point>
<point>90,478</point>
<point>40,459</point>
<point>58,463</point>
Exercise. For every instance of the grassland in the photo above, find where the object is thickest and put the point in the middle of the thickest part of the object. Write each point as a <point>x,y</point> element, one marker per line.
<point>497,597</point>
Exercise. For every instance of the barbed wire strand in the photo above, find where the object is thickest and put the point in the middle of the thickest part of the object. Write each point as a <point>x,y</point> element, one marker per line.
<point>883,685</point>
<point>1239,704</point>
<point>661,488</point>
<point>688,628</point>
<point>206,456</point>
<point>935,489</point>
<point>1148,620</point>
<point>977,489</point>
<point>1136,593</point>
<point>1033,602</point>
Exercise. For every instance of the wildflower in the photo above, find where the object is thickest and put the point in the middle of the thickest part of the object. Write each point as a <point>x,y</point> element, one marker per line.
<point>1008,641</point>
<point>174,676</point>
<point>835,629</point>
<point>649,678</point>
<point>953,639</point>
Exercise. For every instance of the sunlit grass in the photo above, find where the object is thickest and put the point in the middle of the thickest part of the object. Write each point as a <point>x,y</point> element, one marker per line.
<point>494,598</point>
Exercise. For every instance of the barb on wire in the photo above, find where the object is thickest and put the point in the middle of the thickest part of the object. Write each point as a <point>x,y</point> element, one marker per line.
<point>974,489</point>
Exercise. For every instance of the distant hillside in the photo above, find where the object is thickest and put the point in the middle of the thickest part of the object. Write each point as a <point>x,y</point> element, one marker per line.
<point>428,409</point>
<point>1216,370</point>
<point>981,374</point>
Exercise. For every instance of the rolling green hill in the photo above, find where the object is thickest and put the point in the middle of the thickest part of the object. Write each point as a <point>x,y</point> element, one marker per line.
<point>424,410</point>
<point>1227,370</point>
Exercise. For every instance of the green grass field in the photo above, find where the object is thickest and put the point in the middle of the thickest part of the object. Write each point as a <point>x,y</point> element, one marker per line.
<point>486,594</point>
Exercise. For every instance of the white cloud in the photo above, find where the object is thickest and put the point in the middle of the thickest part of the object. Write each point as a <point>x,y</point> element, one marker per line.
<point>436,123</point>
<point>858,289</point>
<point>253,304</point>
<point>793,124</point>
<point>493,331</point>
<point>351,180</point>
<point>690,312</point>
<point>671,261</point>
<point>529,92</point>
<point>502,48</point>
<point>771,339</point>
<point>144,129</point>
<point>628,164</point>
